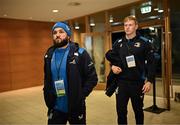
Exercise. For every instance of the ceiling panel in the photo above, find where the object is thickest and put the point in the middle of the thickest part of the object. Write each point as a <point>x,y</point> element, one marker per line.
<point>41,10</point>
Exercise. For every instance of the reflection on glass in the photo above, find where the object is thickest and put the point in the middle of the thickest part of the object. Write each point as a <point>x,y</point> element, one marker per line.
<point>143,11</point>
<point>95,47</point>
<point>88,45</point>
<point>154,35</point>
<point>97,22</point>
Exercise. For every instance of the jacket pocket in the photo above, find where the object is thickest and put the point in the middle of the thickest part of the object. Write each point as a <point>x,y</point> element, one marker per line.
<point>50,99</point>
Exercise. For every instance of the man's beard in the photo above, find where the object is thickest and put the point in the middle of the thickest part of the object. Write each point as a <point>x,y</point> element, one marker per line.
<point>59,44</point>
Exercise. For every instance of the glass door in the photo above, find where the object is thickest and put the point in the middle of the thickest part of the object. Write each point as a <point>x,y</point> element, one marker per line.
<point>159,89</point>
<point>94,43</point>
<point>154,34</point>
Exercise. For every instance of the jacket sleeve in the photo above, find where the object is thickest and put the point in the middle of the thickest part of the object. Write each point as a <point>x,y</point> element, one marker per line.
<point>49,96</point>
<point>112,55</point>
<point>149,54</point>
<point>89,74</point>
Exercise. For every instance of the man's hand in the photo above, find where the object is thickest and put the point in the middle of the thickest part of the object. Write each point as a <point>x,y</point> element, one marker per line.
<point>147,87</point>
<point>116,69</point>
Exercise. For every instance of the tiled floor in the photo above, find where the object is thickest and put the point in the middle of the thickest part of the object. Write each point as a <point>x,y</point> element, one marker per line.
<point>26,107</point>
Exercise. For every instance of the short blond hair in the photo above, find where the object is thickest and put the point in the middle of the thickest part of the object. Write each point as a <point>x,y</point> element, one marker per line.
<point>130,18</point>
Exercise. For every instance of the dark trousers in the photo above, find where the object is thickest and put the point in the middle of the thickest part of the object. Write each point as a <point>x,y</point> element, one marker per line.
<point>134,92</point>
<point>60,118</point>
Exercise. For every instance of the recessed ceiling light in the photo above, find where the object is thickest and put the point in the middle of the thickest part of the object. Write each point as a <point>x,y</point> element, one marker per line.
<point>153,17</point>
<point>55,11</point>
<point>76,26</point>
<point>160,11</point>
<point>74,4</point>
<point>156,9</point>
<point>92,22</point>
<point>111,19</point>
